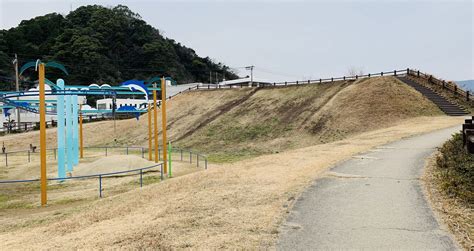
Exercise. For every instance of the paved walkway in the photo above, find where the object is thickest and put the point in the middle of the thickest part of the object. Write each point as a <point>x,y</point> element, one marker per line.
<point>373,201</point>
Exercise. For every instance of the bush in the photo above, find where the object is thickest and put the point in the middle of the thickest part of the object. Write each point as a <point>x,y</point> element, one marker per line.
<point>455,170</point>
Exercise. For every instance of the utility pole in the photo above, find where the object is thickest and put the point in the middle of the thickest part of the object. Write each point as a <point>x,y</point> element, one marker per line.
<point>251,74</point>
<point>210,77</point>
<point>217,78</point>
<point>15,62</point>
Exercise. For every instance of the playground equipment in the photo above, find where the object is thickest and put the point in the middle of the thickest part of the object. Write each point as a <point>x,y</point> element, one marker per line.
<point>69,117</point>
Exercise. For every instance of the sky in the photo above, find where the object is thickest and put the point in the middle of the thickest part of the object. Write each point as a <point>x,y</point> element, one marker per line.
<point>300,40</point>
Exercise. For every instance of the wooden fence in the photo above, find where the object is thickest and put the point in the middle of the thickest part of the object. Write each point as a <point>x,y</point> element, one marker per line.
<point>468,134</point>
<point>447,85</point>
<point>299,82</point>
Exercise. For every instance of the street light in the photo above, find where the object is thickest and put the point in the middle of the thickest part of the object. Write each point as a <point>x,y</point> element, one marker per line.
<point>251,74</point>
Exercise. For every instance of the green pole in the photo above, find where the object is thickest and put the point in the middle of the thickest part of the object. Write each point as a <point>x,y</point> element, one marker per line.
<point>169,159</point>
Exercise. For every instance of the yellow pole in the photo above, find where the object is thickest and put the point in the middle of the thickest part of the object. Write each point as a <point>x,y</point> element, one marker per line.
<point>155,124</point>
<point>149,133</point>
<point>42,110</point>
<point>163,122</point>
<point>81,142</point>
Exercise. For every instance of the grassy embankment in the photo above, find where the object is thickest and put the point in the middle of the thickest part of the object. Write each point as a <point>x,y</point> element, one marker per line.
<point>449,179</point>
<point>230,125</point>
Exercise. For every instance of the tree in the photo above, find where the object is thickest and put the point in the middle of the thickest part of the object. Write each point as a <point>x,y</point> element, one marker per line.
<point>103,45</point>
<point>353,71</point>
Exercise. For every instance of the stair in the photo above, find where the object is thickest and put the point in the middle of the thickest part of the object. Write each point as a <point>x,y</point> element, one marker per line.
<point>443,104</point>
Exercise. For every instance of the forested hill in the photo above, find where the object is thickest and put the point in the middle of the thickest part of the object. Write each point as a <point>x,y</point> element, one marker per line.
<point>103,45</point>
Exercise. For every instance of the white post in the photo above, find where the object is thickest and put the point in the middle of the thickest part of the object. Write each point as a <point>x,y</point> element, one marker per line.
<point>69,150</point>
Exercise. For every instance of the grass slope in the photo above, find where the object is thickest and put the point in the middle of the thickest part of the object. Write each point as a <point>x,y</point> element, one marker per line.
<point>449,179</point>
<point>239,123</point>
<point>277,119</point>
<point>455,167</point>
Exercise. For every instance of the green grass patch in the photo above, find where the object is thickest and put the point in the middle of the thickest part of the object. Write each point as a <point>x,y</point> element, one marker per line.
<point>36,186</point>
<point>30,186</point>
<point>455,170</point>
<point>59,186</point>
<point>68,201</point>
<point>229,157</point>
<point>147,180</point>
<point>230,131</point>
<point>7,202</point>
<point>3,198</point>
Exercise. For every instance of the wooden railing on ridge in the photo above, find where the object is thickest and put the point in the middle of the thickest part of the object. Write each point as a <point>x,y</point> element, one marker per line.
<point>448,85</point>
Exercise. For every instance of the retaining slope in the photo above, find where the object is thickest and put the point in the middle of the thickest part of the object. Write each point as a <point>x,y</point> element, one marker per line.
<point>445,106</point>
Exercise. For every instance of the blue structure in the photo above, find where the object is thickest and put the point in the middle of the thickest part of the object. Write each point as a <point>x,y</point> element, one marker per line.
<point>61,131</point>
<point>69,135</point>
<point>136,85</point>
<point>67,109</point>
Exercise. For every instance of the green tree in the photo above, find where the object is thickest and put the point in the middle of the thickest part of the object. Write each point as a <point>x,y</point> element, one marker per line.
<point>103,45</point>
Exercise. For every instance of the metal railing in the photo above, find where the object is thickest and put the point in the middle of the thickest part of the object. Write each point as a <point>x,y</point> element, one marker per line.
<point>139,171</point>
<point>179,155</point>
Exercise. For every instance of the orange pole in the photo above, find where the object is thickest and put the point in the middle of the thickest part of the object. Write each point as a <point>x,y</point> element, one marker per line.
<point>149,133</point>
<point>155,125</point>
<point>163,123</point>
<point>81,139</point>
<point>42,111</point>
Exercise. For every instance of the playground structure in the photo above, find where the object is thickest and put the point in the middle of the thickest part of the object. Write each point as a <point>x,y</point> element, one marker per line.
<point>64,104</point>
<point>107,168</point>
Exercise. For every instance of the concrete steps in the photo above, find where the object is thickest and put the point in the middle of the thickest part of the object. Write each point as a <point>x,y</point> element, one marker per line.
<point>445,105</point>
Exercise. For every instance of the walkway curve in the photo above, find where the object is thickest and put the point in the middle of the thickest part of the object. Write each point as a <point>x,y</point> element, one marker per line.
<point>373,201</point>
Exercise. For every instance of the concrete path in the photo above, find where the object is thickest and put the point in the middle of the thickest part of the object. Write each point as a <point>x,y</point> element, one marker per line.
<point>373,201</point>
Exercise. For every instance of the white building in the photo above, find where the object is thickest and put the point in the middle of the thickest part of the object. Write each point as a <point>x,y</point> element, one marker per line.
<point>139,104</point>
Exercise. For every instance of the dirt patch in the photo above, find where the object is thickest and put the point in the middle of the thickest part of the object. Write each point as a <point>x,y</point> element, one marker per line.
<point>457,215</point>
<point>111,164</point>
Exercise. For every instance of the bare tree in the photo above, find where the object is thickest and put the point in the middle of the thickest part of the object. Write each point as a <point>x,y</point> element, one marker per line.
<point>353,70</point>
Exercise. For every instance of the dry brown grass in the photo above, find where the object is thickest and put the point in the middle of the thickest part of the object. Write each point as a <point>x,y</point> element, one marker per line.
<point>457,215</point>
<point>242,123</point>
<point>236,205</point>
<point>22,198</point>
<point>277,119</point>
<point>184,114</point>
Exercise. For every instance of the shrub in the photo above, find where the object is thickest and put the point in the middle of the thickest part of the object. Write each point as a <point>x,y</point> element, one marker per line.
<point>455,170</point>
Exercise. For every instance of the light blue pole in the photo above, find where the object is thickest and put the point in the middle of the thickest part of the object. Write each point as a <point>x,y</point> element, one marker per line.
<point>69,143</point>
<point>61,131</point>
<point>75,131</point>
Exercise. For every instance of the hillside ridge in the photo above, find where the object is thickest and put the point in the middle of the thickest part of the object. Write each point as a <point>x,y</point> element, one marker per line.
<point>103,45</point>
<point>240,123</point>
